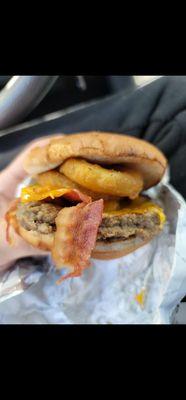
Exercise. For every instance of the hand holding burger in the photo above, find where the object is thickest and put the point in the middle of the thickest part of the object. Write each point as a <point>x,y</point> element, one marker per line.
<point>10,178</point>
<point>86,198</point>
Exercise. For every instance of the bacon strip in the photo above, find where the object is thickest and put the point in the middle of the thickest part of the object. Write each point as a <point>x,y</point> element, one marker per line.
<point>75,236</point>
<point>76,195</point>
<point>76,232</point>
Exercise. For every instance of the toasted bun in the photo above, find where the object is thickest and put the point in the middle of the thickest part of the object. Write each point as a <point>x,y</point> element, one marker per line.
<point>102,251</point>
<point>36,239</point>
<point>100,147</point>
<point>120,248</point>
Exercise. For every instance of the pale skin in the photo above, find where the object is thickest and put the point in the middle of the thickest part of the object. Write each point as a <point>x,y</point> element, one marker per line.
<point>10,177</point>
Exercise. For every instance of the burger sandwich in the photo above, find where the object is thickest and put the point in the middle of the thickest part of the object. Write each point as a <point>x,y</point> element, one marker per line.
<point>87,200</point>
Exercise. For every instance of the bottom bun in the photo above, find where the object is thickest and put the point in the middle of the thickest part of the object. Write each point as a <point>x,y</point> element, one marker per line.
<point>102,250</point>
<point>117,249</point>
<point>36,239</point>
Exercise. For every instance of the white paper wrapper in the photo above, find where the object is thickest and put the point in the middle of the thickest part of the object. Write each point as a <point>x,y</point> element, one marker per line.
<point>141,288</point>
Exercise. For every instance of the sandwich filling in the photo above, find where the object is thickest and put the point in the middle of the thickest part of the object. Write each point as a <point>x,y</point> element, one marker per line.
<point>144,220</point>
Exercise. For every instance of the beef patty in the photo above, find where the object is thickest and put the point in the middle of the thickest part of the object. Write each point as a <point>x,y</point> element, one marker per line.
<point>38,216</point>
<point>129,225</point>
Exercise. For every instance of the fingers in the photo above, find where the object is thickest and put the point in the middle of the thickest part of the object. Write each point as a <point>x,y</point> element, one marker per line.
<point>17,163</point>
<point>9,179</point>
<point>5,266</point>
<point>14,173</point>
<point>28,251</point>
<point>19,247</point>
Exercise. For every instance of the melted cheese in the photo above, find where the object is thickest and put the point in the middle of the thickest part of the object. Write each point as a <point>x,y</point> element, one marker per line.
<point>37,193</point>
<point>139,206</point>
<point>111,207</point>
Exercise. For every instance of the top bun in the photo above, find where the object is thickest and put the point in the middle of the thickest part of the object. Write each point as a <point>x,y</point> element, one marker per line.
<point>101,148</point>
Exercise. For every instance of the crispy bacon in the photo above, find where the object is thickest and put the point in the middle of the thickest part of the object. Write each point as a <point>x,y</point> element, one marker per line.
<point>76,195</point>
<point>76,232</point>
<point>75,236</point>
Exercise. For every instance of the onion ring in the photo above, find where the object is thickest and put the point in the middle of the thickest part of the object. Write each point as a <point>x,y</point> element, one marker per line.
<point>128,183</point>
<point>58,180</point>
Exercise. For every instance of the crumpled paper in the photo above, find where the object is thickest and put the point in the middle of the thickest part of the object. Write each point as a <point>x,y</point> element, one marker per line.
<point>141,288</point>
